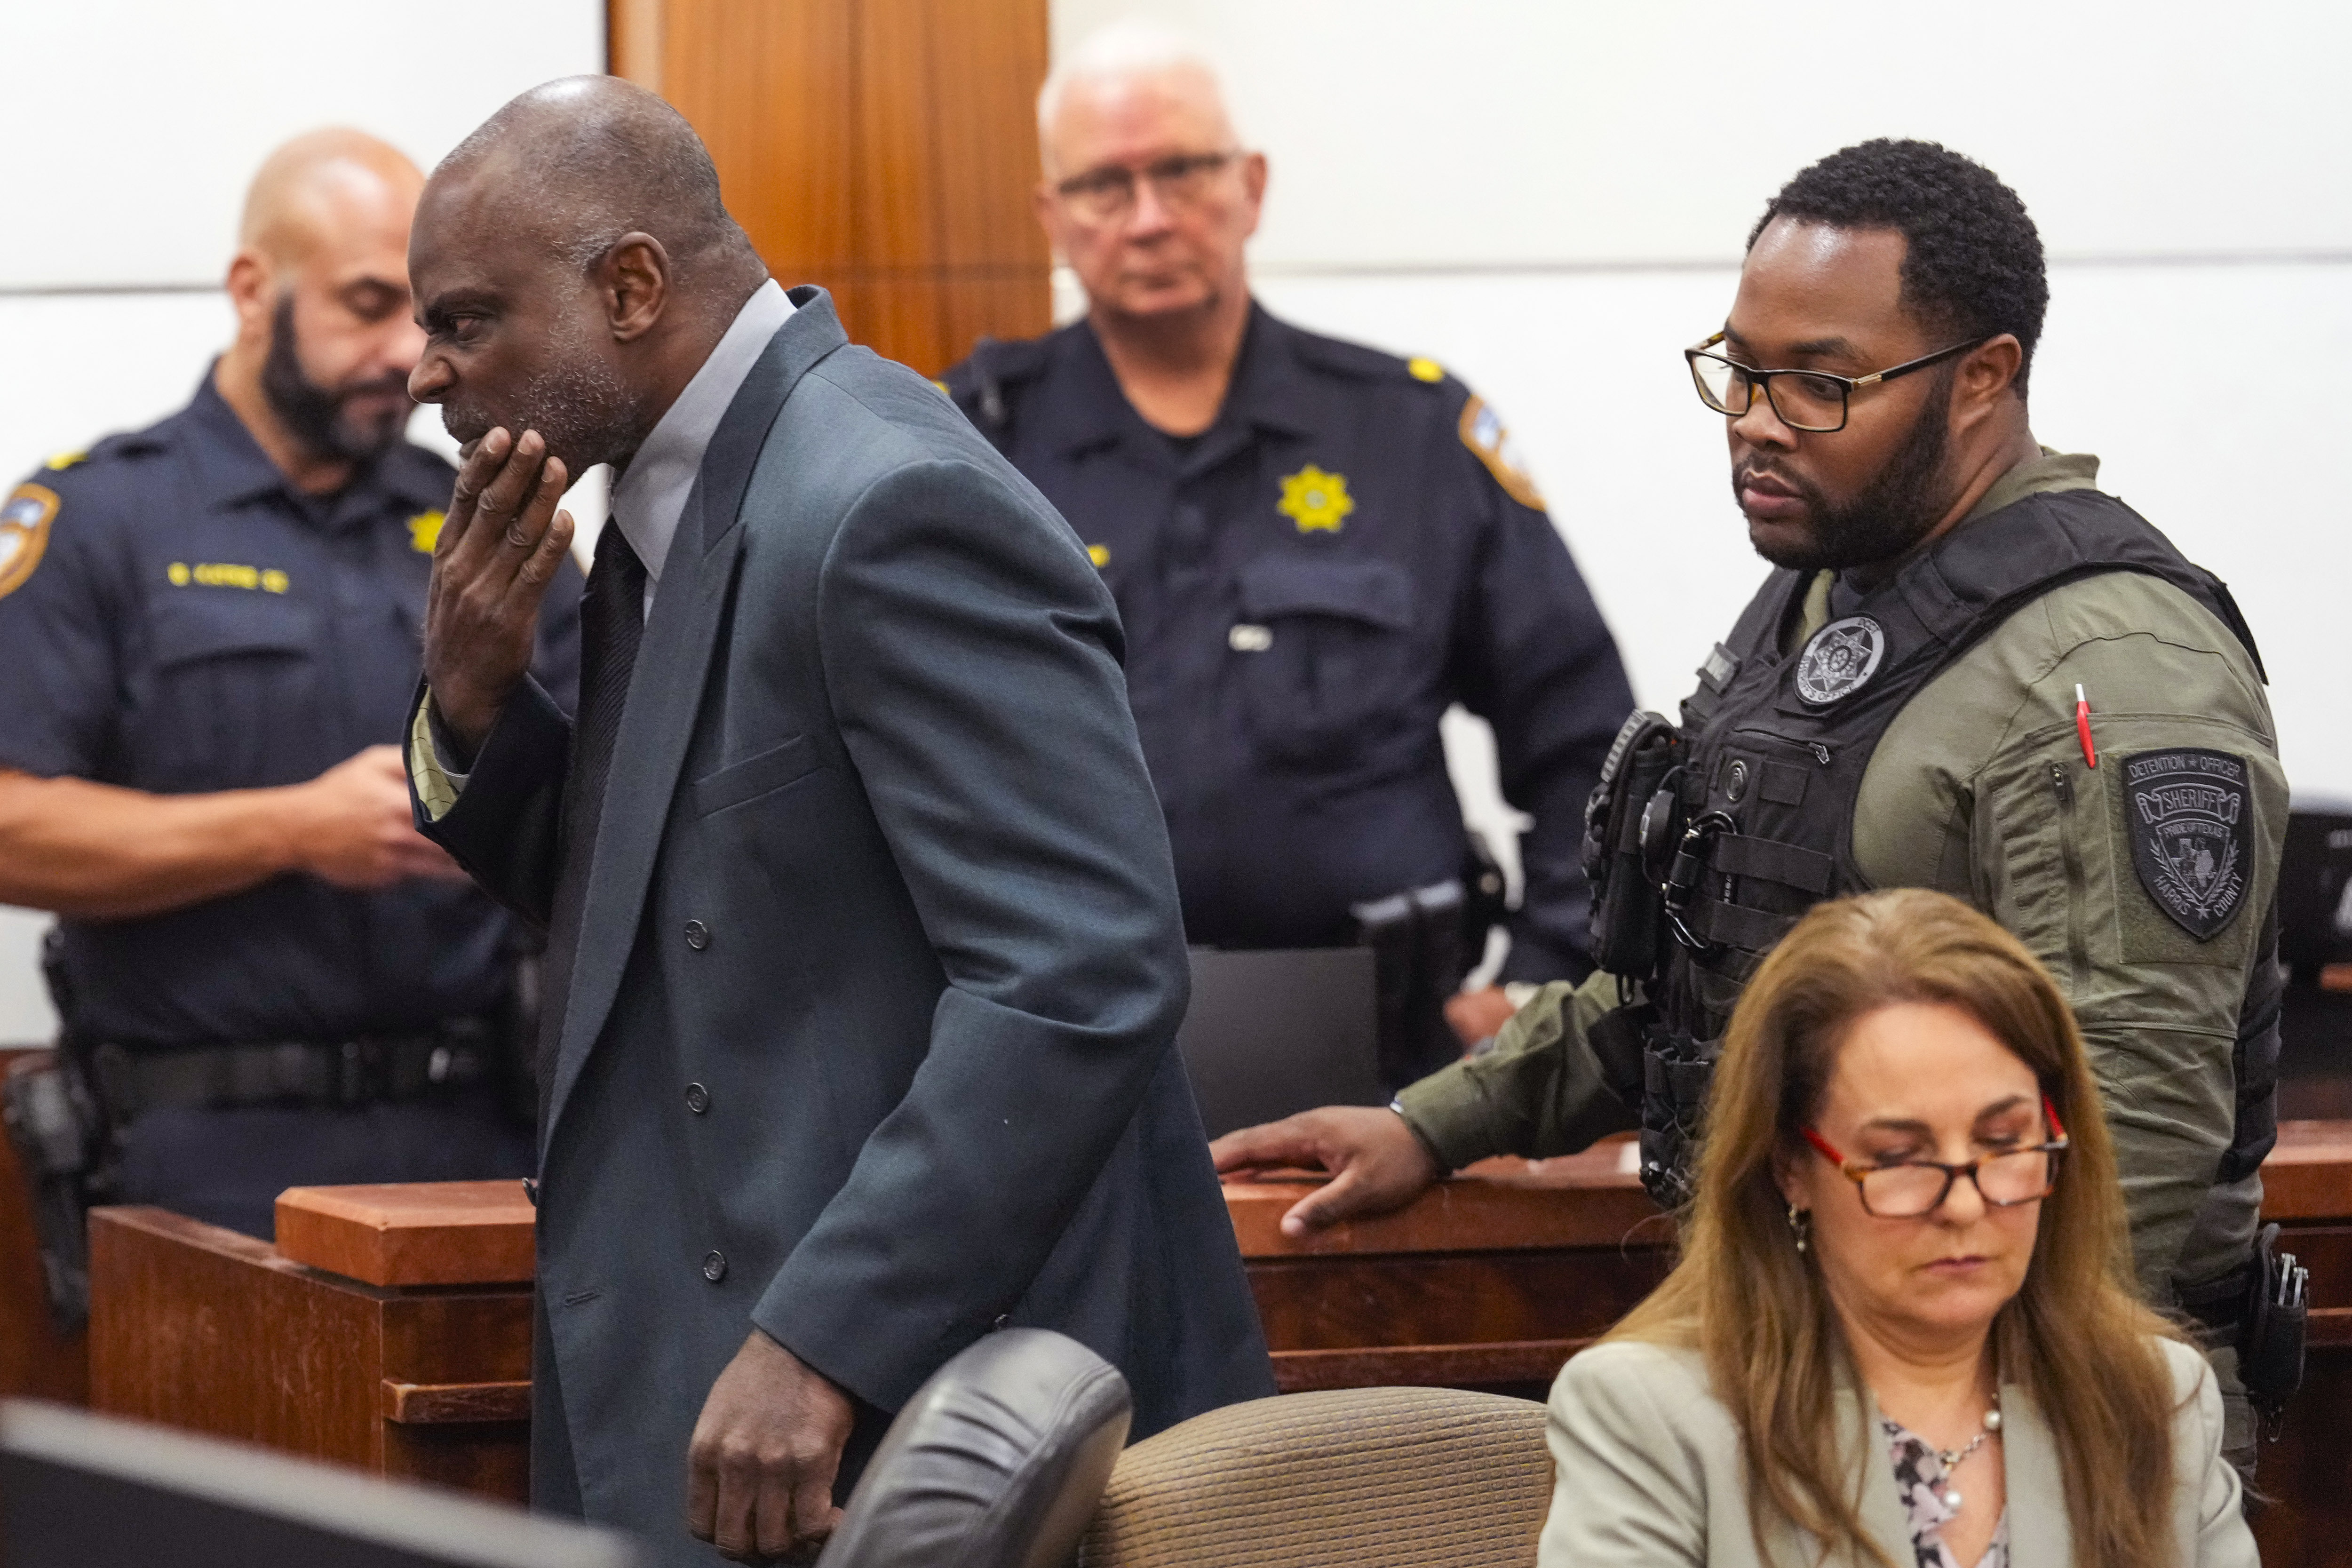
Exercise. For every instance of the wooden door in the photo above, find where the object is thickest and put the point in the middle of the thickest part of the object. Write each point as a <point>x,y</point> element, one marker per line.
<point>885,149</point>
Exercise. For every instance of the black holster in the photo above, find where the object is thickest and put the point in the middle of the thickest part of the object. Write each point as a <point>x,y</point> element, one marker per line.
<point>66,1153</point>
<point>64,1143</point>
<point>1630,805</point>
<point>1419,943</point>
<point>2263,1310</point>
<point>2271,1336</point>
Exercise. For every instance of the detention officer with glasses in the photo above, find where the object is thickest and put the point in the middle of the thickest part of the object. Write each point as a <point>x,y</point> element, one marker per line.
<point>1970,670</point>
<point>1316,549</point>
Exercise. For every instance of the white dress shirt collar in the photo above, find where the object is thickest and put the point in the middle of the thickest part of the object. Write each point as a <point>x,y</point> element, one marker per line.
<point>652,491</point>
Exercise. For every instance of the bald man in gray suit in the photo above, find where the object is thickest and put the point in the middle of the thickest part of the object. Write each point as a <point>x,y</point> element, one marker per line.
<point>865,955</point>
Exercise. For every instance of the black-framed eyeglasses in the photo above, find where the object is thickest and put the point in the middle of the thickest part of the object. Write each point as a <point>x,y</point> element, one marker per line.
<point>1906,1189</point>
<point>1810,400</point>
<point>1104,193</point>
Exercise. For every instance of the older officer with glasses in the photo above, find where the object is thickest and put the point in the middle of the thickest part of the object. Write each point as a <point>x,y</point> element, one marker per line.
<point>1316,548</point>
<point>1970,670</point>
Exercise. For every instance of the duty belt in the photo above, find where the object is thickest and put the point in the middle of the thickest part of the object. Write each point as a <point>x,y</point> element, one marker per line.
<point>340,1074</point>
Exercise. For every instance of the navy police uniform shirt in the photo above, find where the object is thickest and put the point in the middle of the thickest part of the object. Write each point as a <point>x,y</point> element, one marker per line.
<point>1306,586</point>
<point>176,617</point>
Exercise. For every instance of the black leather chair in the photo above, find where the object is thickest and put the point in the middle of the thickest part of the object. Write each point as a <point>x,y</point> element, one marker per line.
<point>997,1462</point>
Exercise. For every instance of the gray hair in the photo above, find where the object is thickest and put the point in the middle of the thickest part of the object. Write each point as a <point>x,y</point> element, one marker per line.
<point>1135,46</point>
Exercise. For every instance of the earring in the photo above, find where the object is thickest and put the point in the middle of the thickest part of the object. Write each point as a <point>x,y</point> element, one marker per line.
<point>1801,1226</point>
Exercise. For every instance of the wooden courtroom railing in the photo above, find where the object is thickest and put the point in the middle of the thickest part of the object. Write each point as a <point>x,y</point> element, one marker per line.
<point>390,1328</point>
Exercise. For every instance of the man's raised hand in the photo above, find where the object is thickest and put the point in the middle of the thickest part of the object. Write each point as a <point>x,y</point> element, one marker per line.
<point>502,545</point>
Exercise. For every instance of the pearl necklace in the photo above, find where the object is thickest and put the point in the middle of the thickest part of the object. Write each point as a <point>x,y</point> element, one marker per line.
<point>1952,1457</point>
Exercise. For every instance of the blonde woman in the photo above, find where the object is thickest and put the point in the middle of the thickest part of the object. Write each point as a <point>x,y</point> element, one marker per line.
<point>1902,1329</point>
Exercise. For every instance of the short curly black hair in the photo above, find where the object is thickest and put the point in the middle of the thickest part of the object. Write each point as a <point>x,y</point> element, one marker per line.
<point>1972,264</point>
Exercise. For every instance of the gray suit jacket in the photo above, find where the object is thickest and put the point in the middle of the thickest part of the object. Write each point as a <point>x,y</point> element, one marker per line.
<point>879,871</point>
<point>1647,1471</point>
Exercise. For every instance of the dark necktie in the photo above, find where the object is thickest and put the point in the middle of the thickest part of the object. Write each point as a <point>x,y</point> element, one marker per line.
<point>612,625</point>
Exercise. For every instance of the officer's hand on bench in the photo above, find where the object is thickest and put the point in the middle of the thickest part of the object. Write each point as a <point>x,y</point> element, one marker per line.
<point>354,826</point>
<point>500,546</point>
<point>1377,1163</point>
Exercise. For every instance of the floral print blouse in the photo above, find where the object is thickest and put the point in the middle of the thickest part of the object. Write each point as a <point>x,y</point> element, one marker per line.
<point>1919,1481</point>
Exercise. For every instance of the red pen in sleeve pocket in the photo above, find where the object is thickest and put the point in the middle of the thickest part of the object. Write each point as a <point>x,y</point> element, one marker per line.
<point>2082,728</point>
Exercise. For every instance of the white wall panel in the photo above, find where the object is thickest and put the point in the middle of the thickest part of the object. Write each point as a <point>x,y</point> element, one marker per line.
<point>133,125</point>
<point>1564,130</point>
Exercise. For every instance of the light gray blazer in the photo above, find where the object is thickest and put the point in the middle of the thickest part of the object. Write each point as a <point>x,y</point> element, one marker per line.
<point>1647,1471</point>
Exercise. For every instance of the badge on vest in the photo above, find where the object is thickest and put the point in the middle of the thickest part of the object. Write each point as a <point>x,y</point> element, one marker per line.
<point>2191,820</point>
<point>1839,660</point>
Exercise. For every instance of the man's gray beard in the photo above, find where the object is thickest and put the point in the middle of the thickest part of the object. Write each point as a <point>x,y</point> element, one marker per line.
<point>581,407</point>
<point>1906,499</point>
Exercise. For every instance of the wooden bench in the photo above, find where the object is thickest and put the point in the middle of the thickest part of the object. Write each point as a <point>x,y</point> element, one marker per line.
<point>389,1327</point>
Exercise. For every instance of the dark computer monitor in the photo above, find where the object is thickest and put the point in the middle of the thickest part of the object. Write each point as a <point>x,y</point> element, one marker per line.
<point>78,1491</point>
<point>2315,888</point>
<point>1272,1032</point>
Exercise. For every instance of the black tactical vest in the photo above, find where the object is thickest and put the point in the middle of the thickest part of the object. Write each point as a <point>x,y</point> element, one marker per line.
<point>1754,826</point>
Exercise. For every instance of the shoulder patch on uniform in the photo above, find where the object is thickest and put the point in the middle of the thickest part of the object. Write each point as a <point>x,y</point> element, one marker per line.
<point>1420,367</point>
<point>64,460</point>
<point>2190,816</point>
<point>425,530</point>
<point>25,521</point>
<point>1483,432</point>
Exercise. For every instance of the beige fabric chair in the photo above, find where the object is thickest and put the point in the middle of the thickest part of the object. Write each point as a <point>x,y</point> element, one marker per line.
<point>1361,1478</point>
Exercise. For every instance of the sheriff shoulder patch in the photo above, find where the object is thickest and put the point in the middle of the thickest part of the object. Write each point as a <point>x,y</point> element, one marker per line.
<point>1485,433</point>
<point>23,533</point>
<point>2190,823</point>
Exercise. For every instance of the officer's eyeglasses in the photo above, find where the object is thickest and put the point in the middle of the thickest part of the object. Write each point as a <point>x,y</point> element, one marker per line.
<point>1101,195</point>
<point>1809,400</point>
<point>1906,1189</point>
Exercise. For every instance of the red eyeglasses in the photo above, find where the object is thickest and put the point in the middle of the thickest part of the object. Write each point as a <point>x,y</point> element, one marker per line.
<point>1906,1189</point>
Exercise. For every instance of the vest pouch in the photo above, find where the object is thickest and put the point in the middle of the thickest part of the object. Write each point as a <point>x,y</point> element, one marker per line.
<point>1676,1073</point>
<point>1626,914</point>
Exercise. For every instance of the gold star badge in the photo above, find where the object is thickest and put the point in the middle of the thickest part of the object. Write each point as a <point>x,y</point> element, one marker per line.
<point>425,530</point>
<point>1316,501</point>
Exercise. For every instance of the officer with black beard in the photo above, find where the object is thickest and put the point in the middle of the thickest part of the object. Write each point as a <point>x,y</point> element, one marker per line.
<point>1970,670</point>
<point>208,645</point>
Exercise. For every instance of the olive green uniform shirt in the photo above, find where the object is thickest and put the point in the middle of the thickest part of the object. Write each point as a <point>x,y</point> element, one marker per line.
<point>1961,796</point>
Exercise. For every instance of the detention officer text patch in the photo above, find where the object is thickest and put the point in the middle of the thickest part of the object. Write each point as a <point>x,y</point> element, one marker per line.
<point>2190,822</point>
<point>23,533</point>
